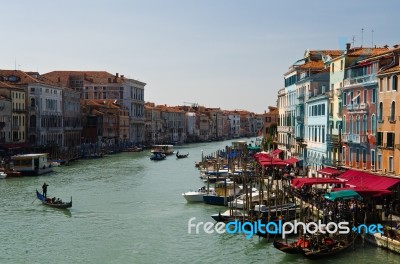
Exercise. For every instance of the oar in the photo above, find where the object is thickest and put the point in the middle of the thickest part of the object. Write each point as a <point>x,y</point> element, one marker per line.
<point>33,201</point>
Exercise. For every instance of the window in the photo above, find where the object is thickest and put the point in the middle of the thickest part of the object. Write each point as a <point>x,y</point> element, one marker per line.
<point>323,109</point>
<point>394,83</point>
<point>365,124</point>
<point>365,96</point>
<point>323,134</point>
<point>358,97</point>
<point>358,125</point>
<point>344,98</point>
<point>350,155</point>
<point>341,65</point>
<point>364,156</point>
<point>357,155</point>
<point>351,98</point>
<point>379,162</point>
<point>372,159</point>
<point>333,67</point>
<point>380,113</point>
<point>380,85</point>
<point>390,164</point>
<point>387,84</point>
<point>392,111</point>
<point>373,96</point>
<point>344,124</point>
<point>390,139</point>
<point>344,154</point>
<point>373,124</point>
<point>351,125</point>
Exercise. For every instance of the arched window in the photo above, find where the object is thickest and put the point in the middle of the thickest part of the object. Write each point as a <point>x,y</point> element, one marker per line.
<point>358,125</point>
<point>373,124</point>
<point>365,124</point>
<point>351,125</point>
<point>32,102</point>
<point>32,121</point>
<point>392,111</point>
<point>380,111</point>
<point>344,124</point>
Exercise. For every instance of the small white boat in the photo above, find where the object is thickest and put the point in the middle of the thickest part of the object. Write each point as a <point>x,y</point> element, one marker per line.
<point>3,176</point>
<point>197,196</point>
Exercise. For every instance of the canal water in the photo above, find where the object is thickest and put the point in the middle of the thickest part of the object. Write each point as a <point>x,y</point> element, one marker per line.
<point>129,209</point>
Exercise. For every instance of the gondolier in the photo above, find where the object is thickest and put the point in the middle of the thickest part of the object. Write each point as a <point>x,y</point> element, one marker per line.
<point>44,189</point>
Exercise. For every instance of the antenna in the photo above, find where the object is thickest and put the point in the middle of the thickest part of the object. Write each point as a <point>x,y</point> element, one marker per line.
<point>362,37</point>
<point>372,32</point>
<point>15,63</point>
<point>353,40</point>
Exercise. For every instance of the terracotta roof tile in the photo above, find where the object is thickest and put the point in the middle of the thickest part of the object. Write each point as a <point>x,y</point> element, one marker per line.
<point>332,53</point>
<point>312,65</point>
<point>395,68</point>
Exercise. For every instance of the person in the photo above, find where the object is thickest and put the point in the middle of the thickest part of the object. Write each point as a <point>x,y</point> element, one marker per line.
<point>44,189</point>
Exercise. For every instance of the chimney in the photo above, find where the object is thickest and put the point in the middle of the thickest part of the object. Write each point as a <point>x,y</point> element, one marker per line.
<point>386,46</point>
<point>122,76</point>
<point>396,46</point>
<point>348,46</point>
<point>116,75</point>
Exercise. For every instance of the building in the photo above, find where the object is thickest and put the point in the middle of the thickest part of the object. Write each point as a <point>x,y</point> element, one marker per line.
<point>104,85</point>
<point>5,119</point>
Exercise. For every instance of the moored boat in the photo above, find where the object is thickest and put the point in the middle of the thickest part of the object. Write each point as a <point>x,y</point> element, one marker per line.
<point>165,149</point>
<point>181,156</point>
<point>3,175</point>
<point>52,202</point>
<point>197,196</point>
<point>322,250</point>
<point>228,215</point>
<point>157,156</point>
<point>31,164</point>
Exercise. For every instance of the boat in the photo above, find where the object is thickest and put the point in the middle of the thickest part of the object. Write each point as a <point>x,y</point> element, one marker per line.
<point>10,173</point>
<point>3,175</point>
<point>197,196</point>
<point>241,202</point>
<point>292,248</point>
<point>165,149</point>
<point>31,164</point>
<point>228,216</point>
<point>225,192</point>
<point>323,250</point>
<point>181,156</point>
<point>52,202</point>
<point>157,156</point>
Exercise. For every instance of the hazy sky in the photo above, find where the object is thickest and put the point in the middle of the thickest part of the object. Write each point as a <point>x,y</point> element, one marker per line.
<point>217,53</point>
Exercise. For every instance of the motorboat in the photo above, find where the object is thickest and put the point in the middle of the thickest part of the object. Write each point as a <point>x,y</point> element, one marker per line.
<point>197,196</point>
<point>157,156</point>
<point>3,175</point>
<point>225,191</point>
<point>240,201</point>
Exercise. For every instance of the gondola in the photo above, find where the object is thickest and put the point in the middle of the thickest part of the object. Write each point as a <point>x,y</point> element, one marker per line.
<point>291,248</point>
<point>181,156</point>
<point>48,202</point>
<point>326,250</point>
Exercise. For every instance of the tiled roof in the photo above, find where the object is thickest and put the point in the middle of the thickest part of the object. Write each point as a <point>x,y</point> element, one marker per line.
<point>96,77</point>
<point>366,51</point>
<point>109,103</point>
<point>332,53</point>
<point>312,65</point>
<point>24,78</point>
<point>395,68</point>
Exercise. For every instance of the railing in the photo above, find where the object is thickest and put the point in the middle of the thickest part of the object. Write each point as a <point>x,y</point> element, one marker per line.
<point>354,106</point>
<point>354,138</point>
<point>360,80</point>
<point>285,129</point>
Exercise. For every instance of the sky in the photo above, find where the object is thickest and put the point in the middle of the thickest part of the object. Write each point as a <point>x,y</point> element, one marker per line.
<point>217,53</point>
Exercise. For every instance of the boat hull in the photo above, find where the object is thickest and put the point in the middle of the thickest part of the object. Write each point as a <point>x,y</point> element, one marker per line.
<point>217,200</point>
<point>193,197</point>
<point>54,205</point>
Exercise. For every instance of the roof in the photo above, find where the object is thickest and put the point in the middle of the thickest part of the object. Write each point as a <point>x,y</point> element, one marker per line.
<point>300,182</point>
<point>332,53</point>
<point>312,65</point>
<point>359,51</point>
<point>393,69</point>
<point>22,78</point>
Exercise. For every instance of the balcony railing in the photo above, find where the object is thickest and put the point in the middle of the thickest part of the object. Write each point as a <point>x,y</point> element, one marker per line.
<point>366,79</point>
<point>355,107</point>
<point>285,129</point>
<point>354,138</point>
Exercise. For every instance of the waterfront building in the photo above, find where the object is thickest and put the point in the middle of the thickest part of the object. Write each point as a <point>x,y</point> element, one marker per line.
<point>282,129</point>
<point>234,120</point>
<point>388,144</point>
<point>104,121</point>
<point>5,119</point>
<point>104,85</point>
<point>153,124</point>
<point>71,118</point>
<point>360,117</point>
<point>270,133</point>
<point>11,88</point>
<point>44,115</point>
<point>337,76</point>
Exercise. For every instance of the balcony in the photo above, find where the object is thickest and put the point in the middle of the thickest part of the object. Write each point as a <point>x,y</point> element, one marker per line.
<point>364,80</point>
<point>357,107</point>
<point>334,139</point>
<point>300,97</point>
<point>285,129</point>
<point>299,139</point>
<point>354,138</point>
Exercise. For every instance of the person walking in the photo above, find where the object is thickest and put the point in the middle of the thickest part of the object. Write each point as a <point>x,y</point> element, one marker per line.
<point>44,189</point>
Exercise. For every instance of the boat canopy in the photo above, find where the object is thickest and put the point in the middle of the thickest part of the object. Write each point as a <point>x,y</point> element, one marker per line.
<point>342,195</point>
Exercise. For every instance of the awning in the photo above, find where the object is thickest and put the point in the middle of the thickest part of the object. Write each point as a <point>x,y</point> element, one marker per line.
<point>364,191</point>
<point>291,161</point>
<point>273,162</point>
<point>329,171</point>
<point>276,152</point>
<point>342,195</point>
<point>366,180</point>
<point>300,182</point>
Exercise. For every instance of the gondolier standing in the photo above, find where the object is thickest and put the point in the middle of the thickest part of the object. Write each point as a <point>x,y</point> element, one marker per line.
<point>44,189</point>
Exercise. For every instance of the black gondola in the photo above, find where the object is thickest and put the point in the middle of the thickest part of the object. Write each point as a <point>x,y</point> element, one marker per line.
<point>181,156</point>
<point>52,202</point>
<point>291,248</point>
<point>323,251</point>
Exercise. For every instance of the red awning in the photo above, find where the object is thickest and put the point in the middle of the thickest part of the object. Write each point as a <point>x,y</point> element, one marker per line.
<point>276,152</point>
<point>291,161</point>
<point>367,180</point>
<point>329,171</point>
<point>273,162</point>
<point>300,182</point>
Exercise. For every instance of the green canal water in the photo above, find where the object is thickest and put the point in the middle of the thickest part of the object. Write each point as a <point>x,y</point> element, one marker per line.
<point>129,209</point>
